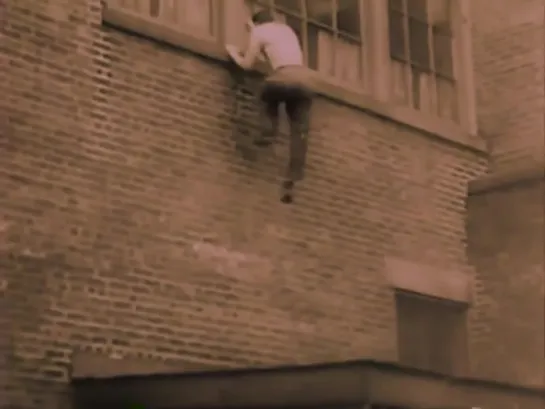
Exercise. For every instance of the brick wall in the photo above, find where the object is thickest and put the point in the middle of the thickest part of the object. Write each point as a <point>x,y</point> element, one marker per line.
<point>505,224</point>
<point>131,226</point>
<point>506,232</point>
<point>509,46</point>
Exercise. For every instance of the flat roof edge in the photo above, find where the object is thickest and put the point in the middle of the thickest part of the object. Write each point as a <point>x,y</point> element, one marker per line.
<point>348,383</point>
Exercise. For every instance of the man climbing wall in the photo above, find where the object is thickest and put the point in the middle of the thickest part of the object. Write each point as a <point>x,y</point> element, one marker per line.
<point>289,83</point>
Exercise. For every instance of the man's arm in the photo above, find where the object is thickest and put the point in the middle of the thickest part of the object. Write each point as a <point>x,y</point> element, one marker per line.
<point>246,60</point>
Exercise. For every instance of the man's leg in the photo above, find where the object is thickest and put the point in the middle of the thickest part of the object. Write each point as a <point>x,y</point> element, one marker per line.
<point>298,110</point>
<point>269,116</point>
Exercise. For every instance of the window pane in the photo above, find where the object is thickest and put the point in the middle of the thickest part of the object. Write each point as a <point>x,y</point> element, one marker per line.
<point>399,83</point>
<point>440,14</point>
<point>348,61</point>
<point>320,11</point>
<point>442,55</point>
<point>397,36</point>
<point>418,9</point>
<point>154,8</point>
<point>447,99</point>
<point>423,90</point>
<point>348,17</point>
<point>289,5</point>
<point>418,44</point>
<point>395,5</point>
<point>320,50</point>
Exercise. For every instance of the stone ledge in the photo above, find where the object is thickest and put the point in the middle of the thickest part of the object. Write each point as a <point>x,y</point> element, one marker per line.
<point>532,172</point>
<point>427,280</point>
<point>446,131</point>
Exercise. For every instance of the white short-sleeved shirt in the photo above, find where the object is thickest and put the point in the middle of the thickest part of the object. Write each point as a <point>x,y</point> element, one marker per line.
<point>279,43</point>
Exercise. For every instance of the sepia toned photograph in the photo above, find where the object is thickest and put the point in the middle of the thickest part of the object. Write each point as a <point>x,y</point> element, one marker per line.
<point>272,204</point>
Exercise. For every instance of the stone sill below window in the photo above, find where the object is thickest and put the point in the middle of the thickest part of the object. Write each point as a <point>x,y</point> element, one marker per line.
<point>447,131</point>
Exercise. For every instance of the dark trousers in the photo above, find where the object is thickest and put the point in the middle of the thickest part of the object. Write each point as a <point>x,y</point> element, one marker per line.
<point>291,86</point>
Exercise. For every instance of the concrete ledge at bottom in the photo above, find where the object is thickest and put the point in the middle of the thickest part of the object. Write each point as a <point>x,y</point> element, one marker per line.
<point>350,384</point>
<point>314,385</point>
<point>427,280</point>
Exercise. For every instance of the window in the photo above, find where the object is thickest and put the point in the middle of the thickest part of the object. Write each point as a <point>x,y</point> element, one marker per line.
<point>432,333</point>
<point>331,34</point>
<point>196,17</point>
<point>369,53</point>
<point>421,53</point>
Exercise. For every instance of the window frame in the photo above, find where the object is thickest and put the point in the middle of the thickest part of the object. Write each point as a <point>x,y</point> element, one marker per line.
<point>462,65</point>
<point>408,59</point>
<point>232,14</point>
<point>456,352</point>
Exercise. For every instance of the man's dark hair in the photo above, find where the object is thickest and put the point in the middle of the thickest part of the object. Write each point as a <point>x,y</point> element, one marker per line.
<point>262,17</point>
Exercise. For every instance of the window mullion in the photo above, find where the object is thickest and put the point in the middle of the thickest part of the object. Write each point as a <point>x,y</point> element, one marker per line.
<point>408,68</point>
<point>378,51</point>
<point>362,61</point>
<point>462,49</point>
<point>304,32</point>
<point>217,19</point>
<point>433,86</point>
<point>177,14</point>
<point>334,8</point>
<point>335,32</point>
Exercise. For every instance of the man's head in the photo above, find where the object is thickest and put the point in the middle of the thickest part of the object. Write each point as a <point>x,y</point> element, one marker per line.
<point>262,17</point>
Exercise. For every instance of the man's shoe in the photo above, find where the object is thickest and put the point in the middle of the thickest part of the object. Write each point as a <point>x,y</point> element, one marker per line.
<point>287,194</point>
<point>263,142</point>
<point>287,198</point>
